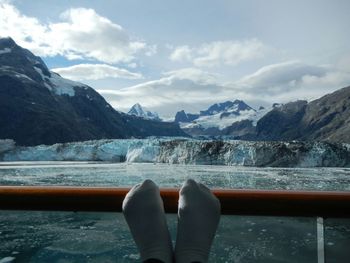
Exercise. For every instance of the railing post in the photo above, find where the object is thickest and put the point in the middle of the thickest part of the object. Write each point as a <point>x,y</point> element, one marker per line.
<point>320,240</point>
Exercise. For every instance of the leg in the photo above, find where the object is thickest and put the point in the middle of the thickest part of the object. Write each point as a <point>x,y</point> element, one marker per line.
<point>144,212</point>
<point>198,218</point>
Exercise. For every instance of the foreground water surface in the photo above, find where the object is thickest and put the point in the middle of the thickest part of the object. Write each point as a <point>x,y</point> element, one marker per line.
<point>104,237</point>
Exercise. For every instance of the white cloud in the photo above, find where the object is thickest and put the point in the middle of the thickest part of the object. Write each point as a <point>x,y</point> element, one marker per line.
<point>290,81</point>
<point>188,88</point>
<point>151,50</point>
<point>132,65</point>
<point>181,53</point>
<point>82,33</point>
<point>192,89</point>
<point>220,53</point>
<point>94,72</point>
<point>193,74</point>
<point>280,77</point>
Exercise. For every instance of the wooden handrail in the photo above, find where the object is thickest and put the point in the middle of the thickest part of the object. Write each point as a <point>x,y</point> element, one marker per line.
<point>233,202</point>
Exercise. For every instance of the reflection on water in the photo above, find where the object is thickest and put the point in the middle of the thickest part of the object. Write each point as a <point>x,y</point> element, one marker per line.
<point>104,237</point>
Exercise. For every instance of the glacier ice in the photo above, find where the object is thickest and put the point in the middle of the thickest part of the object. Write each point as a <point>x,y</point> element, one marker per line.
<point>186,151</point>
<point>59,85</point>
<point>7,145</point>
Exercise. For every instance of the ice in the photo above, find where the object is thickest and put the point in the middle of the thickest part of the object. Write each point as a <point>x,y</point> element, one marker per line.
<point>59,85</point>
<point>187,151</point>
<point>6,145</point>
<point>64,86</point>
<point>7,259</point>
<point>220,122</point>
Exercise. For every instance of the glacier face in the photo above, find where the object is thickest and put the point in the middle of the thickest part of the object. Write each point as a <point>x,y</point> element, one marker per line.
<point>186,151</point>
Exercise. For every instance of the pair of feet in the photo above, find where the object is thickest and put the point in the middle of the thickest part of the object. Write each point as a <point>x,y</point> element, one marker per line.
<point>198,218</point>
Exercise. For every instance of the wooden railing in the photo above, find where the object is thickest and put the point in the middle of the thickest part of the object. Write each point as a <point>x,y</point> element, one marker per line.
<point>233,202</point>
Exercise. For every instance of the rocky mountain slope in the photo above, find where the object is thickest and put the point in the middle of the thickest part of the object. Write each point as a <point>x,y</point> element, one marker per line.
<point>38,106</point>
<point>326,119</point>
<point>139,111</point>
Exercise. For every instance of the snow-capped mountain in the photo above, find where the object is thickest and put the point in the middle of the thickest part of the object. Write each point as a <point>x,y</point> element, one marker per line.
<point>226,108</point>
<point>38,106</point>
<point>139,111</point>
<point>234,118</point>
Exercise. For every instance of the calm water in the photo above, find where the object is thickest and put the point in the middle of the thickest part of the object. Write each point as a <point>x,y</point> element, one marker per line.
<point>104,237</point>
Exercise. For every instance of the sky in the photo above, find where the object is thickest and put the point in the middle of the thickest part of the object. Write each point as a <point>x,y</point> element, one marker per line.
<point>188,54</point>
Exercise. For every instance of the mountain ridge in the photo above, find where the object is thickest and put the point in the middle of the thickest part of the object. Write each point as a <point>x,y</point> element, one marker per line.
<point>139,111</point>
<point>323,119</point>
<point>229,118</point>
<point>40,107</point>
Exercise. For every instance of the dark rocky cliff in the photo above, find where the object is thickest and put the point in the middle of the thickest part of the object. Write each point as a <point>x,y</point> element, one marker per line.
<point>324,119</point>
<point>40,107</point>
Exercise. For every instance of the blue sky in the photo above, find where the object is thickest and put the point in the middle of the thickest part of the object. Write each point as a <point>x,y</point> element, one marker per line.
<point>173,55</point>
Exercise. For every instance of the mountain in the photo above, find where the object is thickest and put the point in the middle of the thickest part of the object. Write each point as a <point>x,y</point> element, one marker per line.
<point>226,108</point>
<point>230,118</point>
<point>324,119</point>
<point>182,116</point>
<point>138,111</point>
<point>38,106</point>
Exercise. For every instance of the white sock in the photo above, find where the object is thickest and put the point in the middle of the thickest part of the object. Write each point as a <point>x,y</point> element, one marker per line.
<point>144,212</point>
<point>198,218</point>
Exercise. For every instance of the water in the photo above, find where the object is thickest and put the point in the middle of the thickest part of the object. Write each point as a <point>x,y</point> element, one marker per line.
<point>165,175</point>
<point>104,237</point>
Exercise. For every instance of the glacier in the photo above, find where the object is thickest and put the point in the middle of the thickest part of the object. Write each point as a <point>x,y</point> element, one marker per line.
<point>59,85</point>
<point>186,151</point>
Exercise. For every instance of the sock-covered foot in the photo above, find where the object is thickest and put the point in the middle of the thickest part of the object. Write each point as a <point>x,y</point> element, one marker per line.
<point>198,218</point>
<point>144,212</point>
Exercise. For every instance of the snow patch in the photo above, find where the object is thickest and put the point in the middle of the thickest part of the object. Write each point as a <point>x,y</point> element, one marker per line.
<point>59,85</point>
<point>5,50</point>
<point>227,114</point>
<point>137,110</point>
<point>22,76</point>
<point>63,86</point>
<point>218,121</point>
<point>12,72</point>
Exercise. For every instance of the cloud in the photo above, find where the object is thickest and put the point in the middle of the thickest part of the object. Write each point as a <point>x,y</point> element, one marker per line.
<point>81,34</point>
<point>291,80</point>
<point>151,50</point>
<point>193,74</point>
<point>181,53</point>
<point>192,89</point>
<point>220,53</point>
<point>94,72</point>
<point>187,88</point>
<point>280,77</point>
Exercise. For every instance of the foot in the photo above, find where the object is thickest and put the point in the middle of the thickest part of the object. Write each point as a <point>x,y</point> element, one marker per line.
<point>198,218</point>
<point>144,212</point>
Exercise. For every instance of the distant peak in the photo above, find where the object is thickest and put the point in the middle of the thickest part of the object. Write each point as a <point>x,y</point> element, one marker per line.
<point>137,105</point>
<point>137,110</point>
<point>7,42</point>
